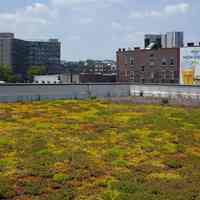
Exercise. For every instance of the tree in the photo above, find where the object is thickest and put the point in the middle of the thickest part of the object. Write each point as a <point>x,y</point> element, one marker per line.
<point>6,73</point>
<point>35,71</point>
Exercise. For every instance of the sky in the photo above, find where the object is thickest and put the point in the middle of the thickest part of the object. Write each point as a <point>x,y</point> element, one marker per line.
<point>95,29</point>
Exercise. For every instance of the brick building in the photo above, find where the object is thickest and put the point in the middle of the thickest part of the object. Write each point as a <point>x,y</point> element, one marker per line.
<point>148,66</point>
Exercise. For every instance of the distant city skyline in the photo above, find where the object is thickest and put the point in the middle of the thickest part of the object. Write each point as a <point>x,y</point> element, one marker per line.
<point>94,29</point>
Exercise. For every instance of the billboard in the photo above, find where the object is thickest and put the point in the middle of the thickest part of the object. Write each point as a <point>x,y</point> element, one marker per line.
<point>190,66</point>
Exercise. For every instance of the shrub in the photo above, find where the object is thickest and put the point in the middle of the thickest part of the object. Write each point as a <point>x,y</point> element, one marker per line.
<point>120,163</point>
<point>93,98</point>
<point>63,194</point>
<point>114,154</point>
<point>110,195</point>
<point>165,101</point>
<point>32,188</point>
<point>6,188</point>
<point>60,178</point>
<point>175,164</point>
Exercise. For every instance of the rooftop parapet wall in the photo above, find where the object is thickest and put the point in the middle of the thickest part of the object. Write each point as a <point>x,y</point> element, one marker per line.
<point>31,92</point>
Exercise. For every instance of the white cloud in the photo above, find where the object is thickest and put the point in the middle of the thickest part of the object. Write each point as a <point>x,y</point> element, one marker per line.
<point>61,3</point>
<point>70,2</point>
<point>178,8</point>
<point>36,13</point>
<point>168,10</point>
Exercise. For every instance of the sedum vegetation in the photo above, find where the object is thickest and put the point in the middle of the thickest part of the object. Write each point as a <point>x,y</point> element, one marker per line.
<point>97,150</point>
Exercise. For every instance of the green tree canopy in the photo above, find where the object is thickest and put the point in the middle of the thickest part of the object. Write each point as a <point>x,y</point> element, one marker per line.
<point>35,71</point>
<point>6,73</point>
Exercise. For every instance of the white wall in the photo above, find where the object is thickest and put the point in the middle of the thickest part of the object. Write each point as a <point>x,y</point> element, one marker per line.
<point>47,79</point>
<point>28,92</point>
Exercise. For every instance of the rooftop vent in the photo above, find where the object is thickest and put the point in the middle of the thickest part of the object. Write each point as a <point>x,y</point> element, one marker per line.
<point>190,44</point>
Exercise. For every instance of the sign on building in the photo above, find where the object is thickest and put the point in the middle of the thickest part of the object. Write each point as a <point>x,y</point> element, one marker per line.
<point>190,66</point>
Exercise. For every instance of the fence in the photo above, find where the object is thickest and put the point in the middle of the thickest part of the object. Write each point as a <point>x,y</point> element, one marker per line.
<point>30,92</point>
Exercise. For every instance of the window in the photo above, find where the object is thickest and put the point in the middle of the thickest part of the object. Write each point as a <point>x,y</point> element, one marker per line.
<point>163,75</point>
<point>143,80</point>
<point>164,61</point>
<point>151,55</point>
<point>152,75</point>
<point>172,76</point>
<point>132,74</point>
<point>43,82</point>
<point>172,61</point>
<point>132,61</point>
<point>142,68</point>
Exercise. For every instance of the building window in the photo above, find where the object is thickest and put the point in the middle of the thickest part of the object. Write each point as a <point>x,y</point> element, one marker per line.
<point>164,61</point>
<point>43,82</point>
<point>151,55</point>
<point>143,80</point>
<point>152,75</point>
<point>163,75</point>
<point>142,68</point>
<point>175,74</point>
<point>172,76</point>
<point>172,61</point>
<point>132,61</point>
<point>132,76</point>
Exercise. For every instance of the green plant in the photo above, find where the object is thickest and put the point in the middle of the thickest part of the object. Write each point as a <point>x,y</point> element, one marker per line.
<point>32,188</point>
<point>93,98</point>
<point>62,194</point>
<point>60,178</point>
<point>110,195</point>
<point>6,188</point>
<point>173,164</point>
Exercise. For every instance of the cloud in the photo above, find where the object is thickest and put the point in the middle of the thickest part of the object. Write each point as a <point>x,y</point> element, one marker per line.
<point>66,3</point>
<point>36,13</point>
<point>70,2</point>
<point>168,10</point>
<point>178,8</point>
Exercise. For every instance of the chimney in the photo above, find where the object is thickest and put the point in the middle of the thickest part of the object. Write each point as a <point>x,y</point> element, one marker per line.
<point>137,48</point>
<point>190,44</point>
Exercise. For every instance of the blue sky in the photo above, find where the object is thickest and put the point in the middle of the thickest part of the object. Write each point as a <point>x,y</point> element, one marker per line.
<point>97,28</point>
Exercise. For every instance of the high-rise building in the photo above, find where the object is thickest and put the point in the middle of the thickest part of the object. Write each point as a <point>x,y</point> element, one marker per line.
<point>152,40</point>
<point>173,40</point>
<point>21,54</point>
<point>6,40</point>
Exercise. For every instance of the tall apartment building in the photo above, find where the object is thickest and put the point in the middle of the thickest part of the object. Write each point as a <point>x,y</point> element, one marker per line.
<point>21,54</point>
<point>6,40</point>
<point>173,40</point>
<point>148,66</point>
<point>152,39</point>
